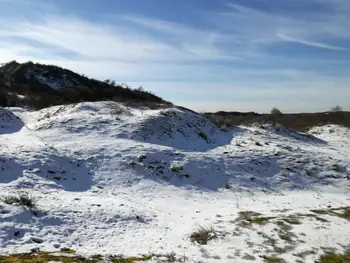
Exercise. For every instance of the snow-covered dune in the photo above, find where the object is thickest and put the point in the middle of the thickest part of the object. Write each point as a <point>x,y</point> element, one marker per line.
<point>110,179</point>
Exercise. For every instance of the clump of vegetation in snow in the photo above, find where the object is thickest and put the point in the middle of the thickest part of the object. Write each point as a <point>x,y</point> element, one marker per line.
<point>332,257</point>
<point>43,257</point>
<point>203,136</point>
<point>258,144</point>
<point>247,218</point>
<point>273,259</point>
<point>177,168</point>
<point>202,235</point>
<point>171,258</point>
<point>22,199</point>
<point>342,212</point>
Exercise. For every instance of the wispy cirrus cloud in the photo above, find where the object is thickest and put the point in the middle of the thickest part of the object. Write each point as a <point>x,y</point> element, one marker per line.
<point>235,53</point>
<point>256,26</point>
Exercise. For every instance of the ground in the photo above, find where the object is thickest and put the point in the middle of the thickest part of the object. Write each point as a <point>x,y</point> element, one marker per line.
<point>112,180</point>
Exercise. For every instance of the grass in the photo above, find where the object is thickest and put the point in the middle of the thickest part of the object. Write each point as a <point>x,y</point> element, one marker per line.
<point>118,259</point>
<point>172,258</point>
<point>273,259</point>
<point>45,257</point>
<point>177,168</point>
<point>248,257</point>
<point>202,235</point>
<point>203,136</point>
<point>22,199</point>
<point>258,144</point>
<point>248,218</point>
<point>68,251</point>
<point>332,257</point>
<point>284,226</point>
<point>227,186</point>
<point>293,220</point>
<point>342,212</point>
<point>305,253</point>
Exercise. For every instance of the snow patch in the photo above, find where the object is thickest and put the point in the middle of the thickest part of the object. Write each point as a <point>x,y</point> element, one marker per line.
<point>9,122</point>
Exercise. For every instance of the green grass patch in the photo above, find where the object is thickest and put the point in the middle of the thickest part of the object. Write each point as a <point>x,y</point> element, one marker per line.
<point>68,251</point>
<point>248,257</point>
<point>332,257</point>
<point>273,259</point>
<point>342,212</point>
<point>45,257</point>
<point>248,218</point>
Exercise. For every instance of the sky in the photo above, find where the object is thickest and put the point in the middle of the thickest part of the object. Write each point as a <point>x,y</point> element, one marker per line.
<point>209,55</point>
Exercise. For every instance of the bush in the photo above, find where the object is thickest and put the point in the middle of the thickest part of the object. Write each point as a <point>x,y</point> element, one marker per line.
<point>202,235</point>
<point>336,109</point>
<point>275,111</point>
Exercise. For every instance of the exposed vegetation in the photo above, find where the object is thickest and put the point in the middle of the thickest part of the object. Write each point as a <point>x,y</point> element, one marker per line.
<point>342,212</point>
<point>273,259</point>
<point>297,121</point>
<point>332,257</point>
<point>202,235</point>
<point>22,199</point>
<point>45,257</point>
<point>203,136</point>
<point>275,111</point>
<point>248,218</point>
<point>177,168</point>
<point>42,86</point>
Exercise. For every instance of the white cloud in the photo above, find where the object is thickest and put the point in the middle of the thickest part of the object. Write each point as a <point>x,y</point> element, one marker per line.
<point>311,43</point>
<point>122,43</point>
<point>256,27</point>
<point>181,61</point>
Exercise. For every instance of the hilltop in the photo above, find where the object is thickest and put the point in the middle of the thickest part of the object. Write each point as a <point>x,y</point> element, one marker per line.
<point>38,86</point>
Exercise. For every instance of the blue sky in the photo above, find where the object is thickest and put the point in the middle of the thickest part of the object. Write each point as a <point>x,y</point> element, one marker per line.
<point>242,55</point>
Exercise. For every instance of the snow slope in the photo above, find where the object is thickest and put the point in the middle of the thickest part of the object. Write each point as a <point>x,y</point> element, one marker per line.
<point>109,179</point>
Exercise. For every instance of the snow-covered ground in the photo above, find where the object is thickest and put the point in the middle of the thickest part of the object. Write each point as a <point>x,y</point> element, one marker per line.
<point>108,179</point>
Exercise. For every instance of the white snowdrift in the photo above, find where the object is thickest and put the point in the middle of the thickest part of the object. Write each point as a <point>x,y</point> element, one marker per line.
<point>109,179</point>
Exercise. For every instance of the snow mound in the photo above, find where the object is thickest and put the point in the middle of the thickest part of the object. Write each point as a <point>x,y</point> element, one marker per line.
<point>281,130</point>
<point>176,128</point>
<point>108,179</point>
<point>181,130</point>
<point>9,123</point>
<point>34,164</point>
<point>86,117</point>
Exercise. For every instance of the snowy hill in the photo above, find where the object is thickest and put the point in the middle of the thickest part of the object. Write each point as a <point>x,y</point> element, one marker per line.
<point>110,179</point>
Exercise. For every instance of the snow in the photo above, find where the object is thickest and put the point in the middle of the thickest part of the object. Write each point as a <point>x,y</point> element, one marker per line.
<point>109,179</point>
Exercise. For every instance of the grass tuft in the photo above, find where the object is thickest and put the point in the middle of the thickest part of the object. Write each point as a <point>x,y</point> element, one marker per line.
<point>22,199</point>
<point>203,136</point>
<point>332,257</point>
<point>248,218</point>
<point>202,235</point>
